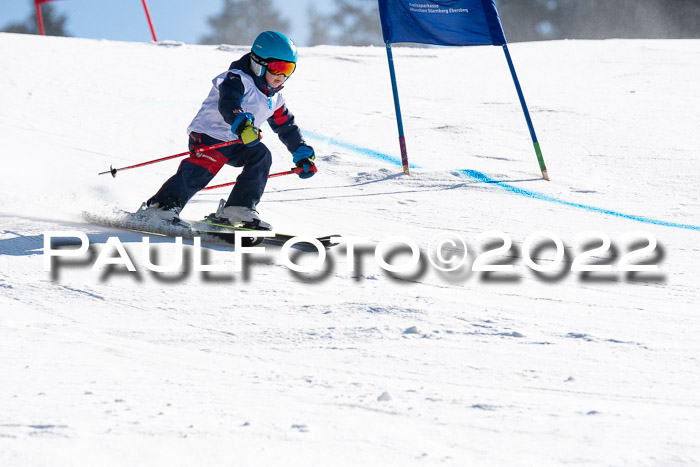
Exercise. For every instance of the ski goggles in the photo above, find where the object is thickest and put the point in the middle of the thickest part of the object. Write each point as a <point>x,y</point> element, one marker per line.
<point>281,68</point>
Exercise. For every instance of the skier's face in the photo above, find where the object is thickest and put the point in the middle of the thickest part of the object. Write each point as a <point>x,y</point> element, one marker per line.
<point>274,80</point>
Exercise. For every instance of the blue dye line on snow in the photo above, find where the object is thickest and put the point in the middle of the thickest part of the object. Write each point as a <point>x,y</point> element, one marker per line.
<point>478,176</point>
<point>367,152</point>
<point>481,177</point>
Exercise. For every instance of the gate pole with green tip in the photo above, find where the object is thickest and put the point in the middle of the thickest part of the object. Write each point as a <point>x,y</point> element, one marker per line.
<point>540,159</point>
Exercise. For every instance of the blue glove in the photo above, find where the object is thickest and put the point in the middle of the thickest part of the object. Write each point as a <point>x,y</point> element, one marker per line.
<point>242,120</point>
<point>304,158</point>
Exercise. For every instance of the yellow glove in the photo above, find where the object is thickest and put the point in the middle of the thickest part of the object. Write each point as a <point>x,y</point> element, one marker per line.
<point>243,127</point>
<point>250,136</point>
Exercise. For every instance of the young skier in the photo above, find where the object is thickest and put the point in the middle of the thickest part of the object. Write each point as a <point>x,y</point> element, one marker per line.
<point>241,99</point>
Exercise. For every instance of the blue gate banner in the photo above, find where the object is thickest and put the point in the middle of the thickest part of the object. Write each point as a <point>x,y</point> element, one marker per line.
<point>441,22</point>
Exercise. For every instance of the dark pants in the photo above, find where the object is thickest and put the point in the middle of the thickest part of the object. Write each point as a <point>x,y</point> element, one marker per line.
<point>197,171</point>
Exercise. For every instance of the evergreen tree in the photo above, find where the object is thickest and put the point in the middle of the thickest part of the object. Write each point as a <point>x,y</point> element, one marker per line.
<point>318,28</point>
<point>54,23</point>
<point>240,21</point>
<point>530,20</point>
<point>354,22</point>
<point>637,20</point>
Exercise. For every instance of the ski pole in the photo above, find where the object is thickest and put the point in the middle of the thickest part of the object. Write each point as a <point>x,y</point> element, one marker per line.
<point>295,170</point>
<point>188,153</point>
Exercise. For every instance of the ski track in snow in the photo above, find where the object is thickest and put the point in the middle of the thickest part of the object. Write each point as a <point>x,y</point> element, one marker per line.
<point>363,367</point>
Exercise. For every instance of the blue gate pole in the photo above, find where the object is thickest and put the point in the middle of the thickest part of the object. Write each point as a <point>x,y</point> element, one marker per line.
<point>399,123</point>
<point>540,159</point>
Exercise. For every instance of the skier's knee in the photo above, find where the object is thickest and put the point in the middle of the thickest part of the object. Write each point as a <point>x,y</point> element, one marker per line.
<point>263,156</point>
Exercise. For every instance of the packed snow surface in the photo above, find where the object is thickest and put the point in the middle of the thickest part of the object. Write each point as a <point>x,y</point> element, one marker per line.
<point>351,363</point>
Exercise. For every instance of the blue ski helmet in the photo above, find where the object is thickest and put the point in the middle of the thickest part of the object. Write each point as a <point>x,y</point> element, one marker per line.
<point>270,46</point>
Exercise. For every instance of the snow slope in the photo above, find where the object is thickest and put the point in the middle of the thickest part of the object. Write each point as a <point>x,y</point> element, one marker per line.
<point>341,367</point>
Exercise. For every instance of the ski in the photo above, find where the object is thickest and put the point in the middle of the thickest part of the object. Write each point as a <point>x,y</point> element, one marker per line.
<point>132,222</point>
<point>213,227</point>
<point>208,231</point>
